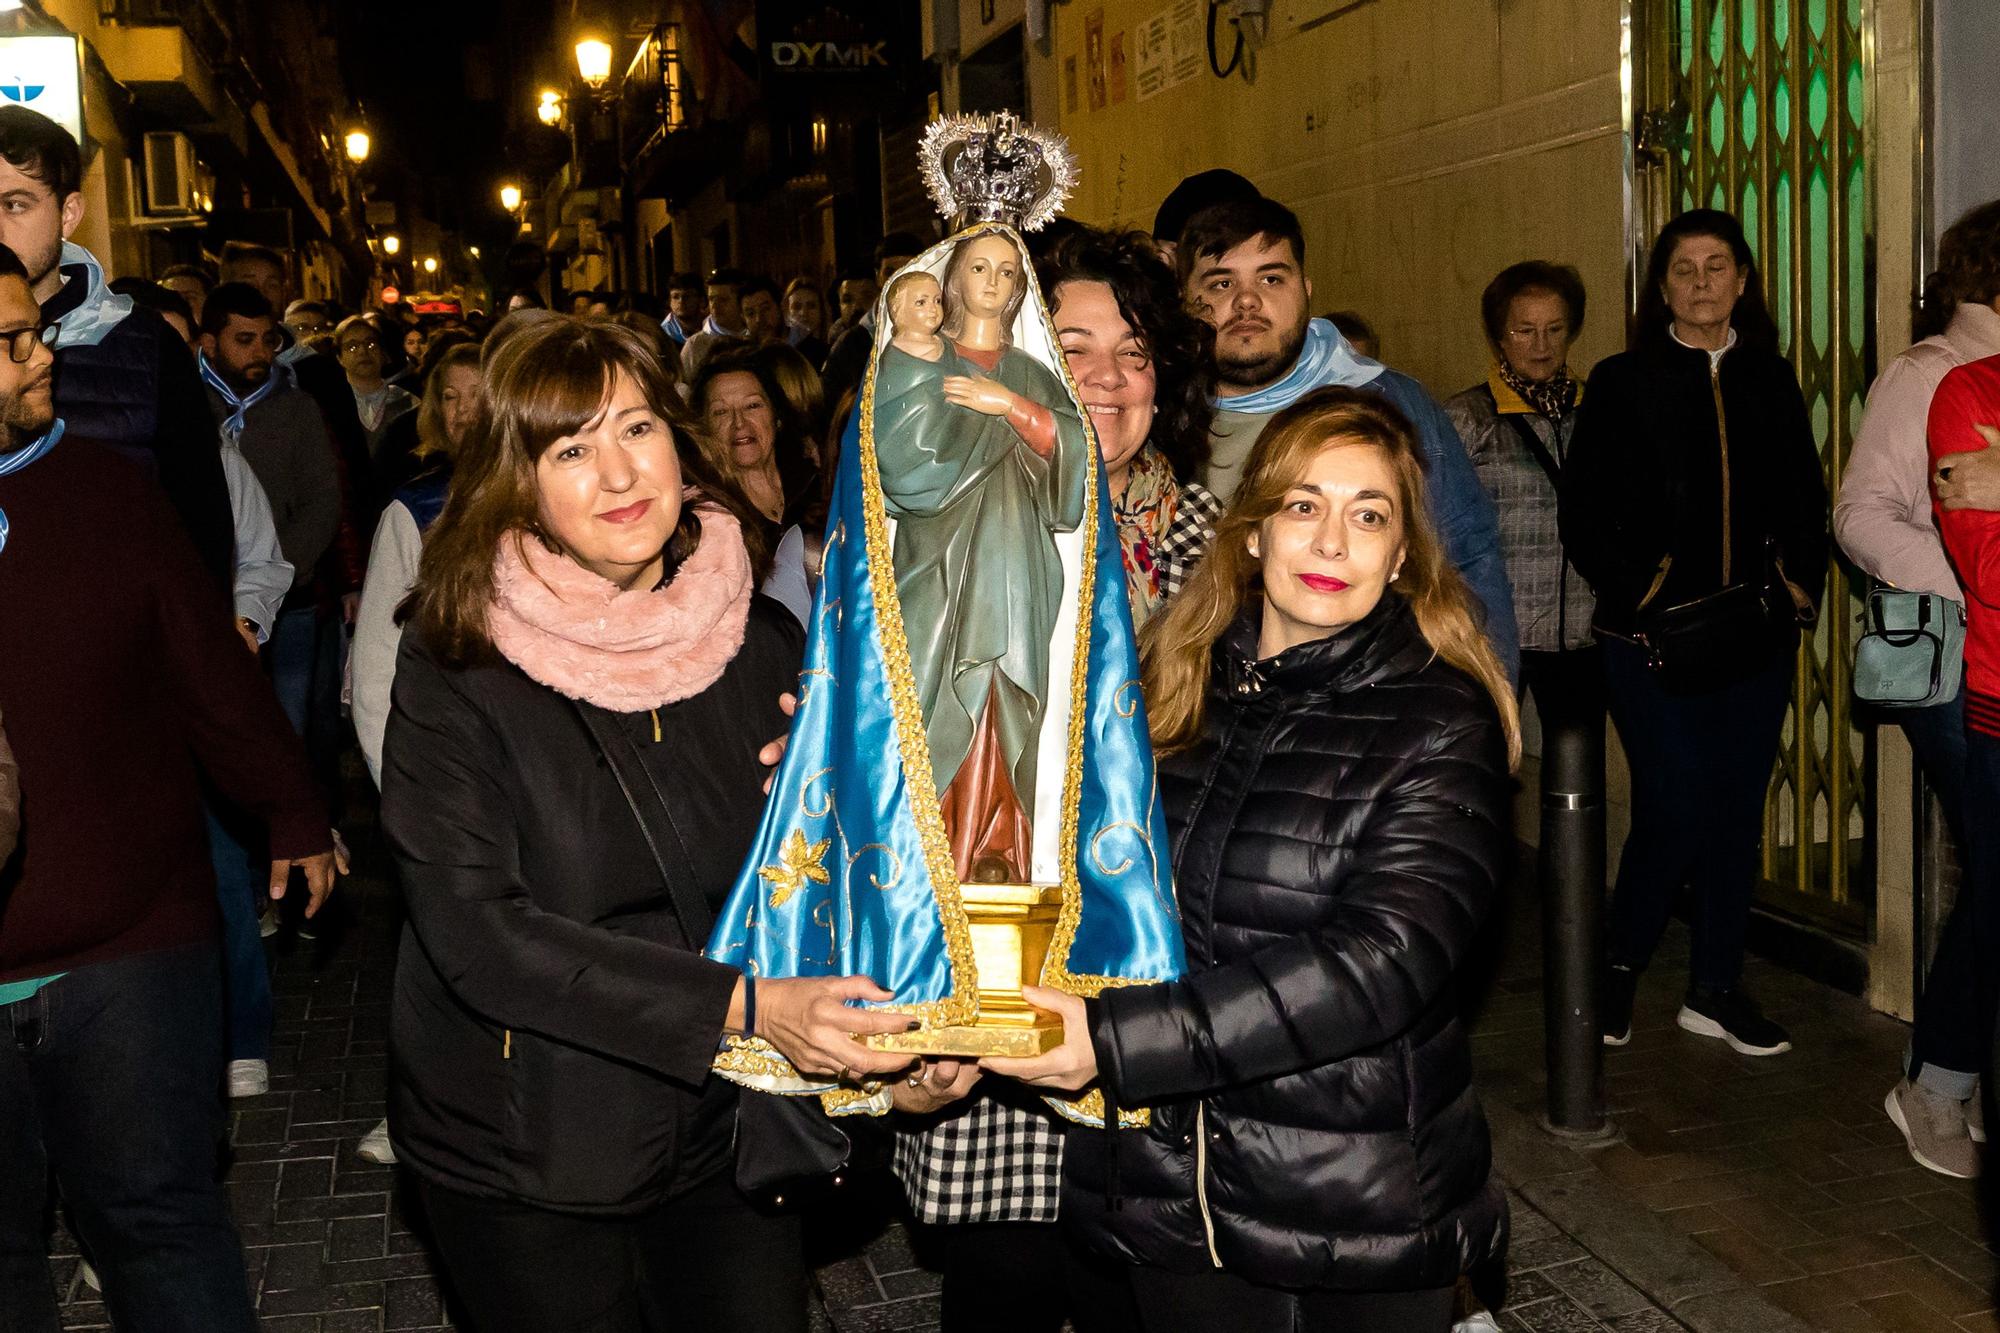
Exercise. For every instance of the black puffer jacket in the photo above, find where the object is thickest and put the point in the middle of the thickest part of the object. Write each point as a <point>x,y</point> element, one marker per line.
<point>1339,835</point>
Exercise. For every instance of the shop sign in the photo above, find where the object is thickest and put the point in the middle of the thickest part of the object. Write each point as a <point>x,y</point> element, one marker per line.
<point>813,39</point>
<point>42,73</point>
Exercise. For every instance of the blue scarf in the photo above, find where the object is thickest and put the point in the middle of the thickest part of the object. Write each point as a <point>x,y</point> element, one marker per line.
<point>232,426</point>
<point>20,458</point>
<point>1327,358</point>
<point>675,329</point>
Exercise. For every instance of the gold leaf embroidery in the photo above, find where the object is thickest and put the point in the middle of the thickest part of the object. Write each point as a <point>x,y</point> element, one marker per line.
<point>798,861</point>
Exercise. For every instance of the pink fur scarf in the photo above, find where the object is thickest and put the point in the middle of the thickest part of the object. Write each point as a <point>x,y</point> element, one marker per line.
<point>625,651</point>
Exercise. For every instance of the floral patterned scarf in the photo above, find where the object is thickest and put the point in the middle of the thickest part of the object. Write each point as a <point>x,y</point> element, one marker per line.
<point>1144,513</point>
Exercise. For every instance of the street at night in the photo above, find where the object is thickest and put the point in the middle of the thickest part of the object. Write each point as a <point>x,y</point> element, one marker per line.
<point>998,666</point>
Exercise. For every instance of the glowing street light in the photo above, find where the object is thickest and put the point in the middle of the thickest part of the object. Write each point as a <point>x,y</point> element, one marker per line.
<point>593,62</point>
<point>510,197</point>
<point>430,264</point>
<point>550,111</point>
<point>475,252</point>
<point>357,146</point>
<point>391,244</point>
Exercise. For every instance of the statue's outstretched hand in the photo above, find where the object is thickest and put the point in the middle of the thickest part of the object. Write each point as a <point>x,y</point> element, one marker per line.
<point>979,393</point>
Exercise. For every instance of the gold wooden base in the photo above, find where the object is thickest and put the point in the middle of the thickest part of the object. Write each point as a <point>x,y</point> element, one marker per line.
<point>1012,927</point>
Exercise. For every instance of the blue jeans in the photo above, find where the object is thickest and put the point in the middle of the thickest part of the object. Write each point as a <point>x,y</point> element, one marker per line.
<point>1948,1040</point>
<point>1700,766</point>
<point>113,1075</point>
<point>303,653</point>
<point>241,884</point>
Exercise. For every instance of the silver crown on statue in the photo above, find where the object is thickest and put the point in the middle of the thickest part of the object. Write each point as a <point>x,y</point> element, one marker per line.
<point>992,168</point>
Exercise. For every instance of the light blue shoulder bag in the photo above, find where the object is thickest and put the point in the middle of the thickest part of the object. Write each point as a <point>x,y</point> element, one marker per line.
<point>1912,650</point>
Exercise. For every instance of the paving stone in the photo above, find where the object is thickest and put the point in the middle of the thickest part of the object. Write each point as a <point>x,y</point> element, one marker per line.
<point>411,1303</point>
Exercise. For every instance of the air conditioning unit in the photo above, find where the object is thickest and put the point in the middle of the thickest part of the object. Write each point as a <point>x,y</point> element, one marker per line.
<point>173,185</point>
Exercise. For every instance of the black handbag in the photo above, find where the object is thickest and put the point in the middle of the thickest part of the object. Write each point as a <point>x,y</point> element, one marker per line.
<point>1711,641</point>
<point>783,1144</point>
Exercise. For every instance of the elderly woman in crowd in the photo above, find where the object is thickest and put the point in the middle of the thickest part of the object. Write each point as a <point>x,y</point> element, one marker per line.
<point>1335,735</point>
<point>1693,503</point>
<point>586,607</point>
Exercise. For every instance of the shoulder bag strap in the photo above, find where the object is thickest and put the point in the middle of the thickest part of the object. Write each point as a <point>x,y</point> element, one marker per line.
<point>1520,426</point>
<point>656,820</point>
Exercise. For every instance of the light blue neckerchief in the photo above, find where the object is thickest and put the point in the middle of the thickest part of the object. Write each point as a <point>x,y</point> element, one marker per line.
<point>20,458</point>
<point>1327,358</point>
<point>100,310</point>
<point>232,426</point>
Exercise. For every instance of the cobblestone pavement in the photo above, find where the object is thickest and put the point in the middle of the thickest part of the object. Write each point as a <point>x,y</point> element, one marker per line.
<point>1784,1169</point>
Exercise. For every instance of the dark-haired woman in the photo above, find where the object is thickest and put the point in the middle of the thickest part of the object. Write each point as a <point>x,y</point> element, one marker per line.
<point>986,1175</point>
<point>1884,522</point>
<point>1335,735</point>
<point>759,439</point>
<point>590,584</point>
<point>1694,473</point>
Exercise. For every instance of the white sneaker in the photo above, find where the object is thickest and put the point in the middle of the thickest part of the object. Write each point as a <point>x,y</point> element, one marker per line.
<point>1975,1116</point>
<point>1479,1321</point>
<point>267,921</point>
<point>249,1078</point>
<point>375,1146</point>
<point>1934,1129</point>
<point>89,1276</point>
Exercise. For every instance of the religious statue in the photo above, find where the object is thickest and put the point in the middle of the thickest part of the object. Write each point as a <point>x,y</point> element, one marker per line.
<point>967,803</point>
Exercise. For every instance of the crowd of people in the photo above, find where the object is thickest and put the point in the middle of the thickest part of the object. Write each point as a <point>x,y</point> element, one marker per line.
<point>525,559</point>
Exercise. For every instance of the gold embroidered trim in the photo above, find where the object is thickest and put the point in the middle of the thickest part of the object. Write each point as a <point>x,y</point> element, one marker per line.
<point>1088,1109</point>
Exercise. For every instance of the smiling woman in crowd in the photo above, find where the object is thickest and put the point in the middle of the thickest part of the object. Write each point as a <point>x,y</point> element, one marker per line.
<point>589,591</point>
<point>1335,736</point>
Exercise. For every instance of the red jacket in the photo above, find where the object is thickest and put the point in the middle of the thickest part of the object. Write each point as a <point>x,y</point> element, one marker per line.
<point>1969,396</point>
<point>120,675</point>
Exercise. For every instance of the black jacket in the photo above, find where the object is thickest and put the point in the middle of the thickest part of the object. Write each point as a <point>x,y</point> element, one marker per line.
<point>1339,834</point>
<point>552,1028</point>
<point>138,391</point>
<point>1645,478</point>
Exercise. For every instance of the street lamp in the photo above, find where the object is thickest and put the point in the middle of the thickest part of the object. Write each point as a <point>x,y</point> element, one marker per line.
<point>430,264</point>
<point>391,244</point>
<point>550,111</point>
<point>475,252</point>
<point>510,197</point>
<point>593,62</point>
<point>357,146</point>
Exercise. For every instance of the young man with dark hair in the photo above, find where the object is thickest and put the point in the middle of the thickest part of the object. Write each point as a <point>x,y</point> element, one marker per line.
<point>854,298</point>
<point>762,308</point>
<point>725,319</point>
<point>848,361</point>
<point>109,976</point>
<point>1196,194</point>
<point>191,282</point>
<point>687,307</point>
<point>1242,266</point>
<point>121,375</point>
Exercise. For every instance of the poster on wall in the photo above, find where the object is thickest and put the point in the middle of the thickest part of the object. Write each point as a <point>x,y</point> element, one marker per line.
<point>1168,48</point>
<point>1115,67</point>
<point>1093,56</point>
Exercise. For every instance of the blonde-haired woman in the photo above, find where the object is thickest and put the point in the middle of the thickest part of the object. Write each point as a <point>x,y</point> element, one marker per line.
<point>1335,737</point>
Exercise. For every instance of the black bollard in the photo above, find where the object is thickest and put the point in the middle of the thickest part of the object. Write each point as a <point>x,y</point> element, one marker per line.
<point>1572,874</point>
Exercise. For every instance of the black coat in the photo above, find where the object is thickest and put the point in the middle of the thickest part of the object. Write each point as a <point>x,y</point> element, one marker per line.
<point>1339,834</point>
<point>552,1027</point>
<point>1644,478</point>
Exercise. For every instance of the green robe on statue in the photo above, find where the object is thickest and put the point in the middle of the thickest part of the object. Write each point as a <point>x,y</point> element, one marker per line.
<point>977,571</point>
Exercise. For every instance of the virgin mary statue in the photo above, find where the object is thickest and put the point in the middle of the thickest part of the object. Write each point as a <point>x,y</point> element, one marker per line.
<point>967,801</point>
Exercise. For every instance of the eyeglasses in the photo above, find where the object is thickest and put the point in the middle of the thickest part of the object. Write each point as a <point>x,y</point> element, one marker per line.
<point>21,342</point>
<point>364,345</point>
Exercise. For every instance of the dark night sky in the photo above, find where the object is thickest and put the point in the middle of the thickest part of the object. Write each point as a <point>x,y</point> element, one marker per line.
<point>437,80</point>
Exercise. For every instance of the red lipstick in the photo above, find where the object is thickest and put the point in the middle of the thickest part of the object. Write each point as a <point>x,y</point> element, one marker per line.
<point>627,514</point>
<point>1323,583</point>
